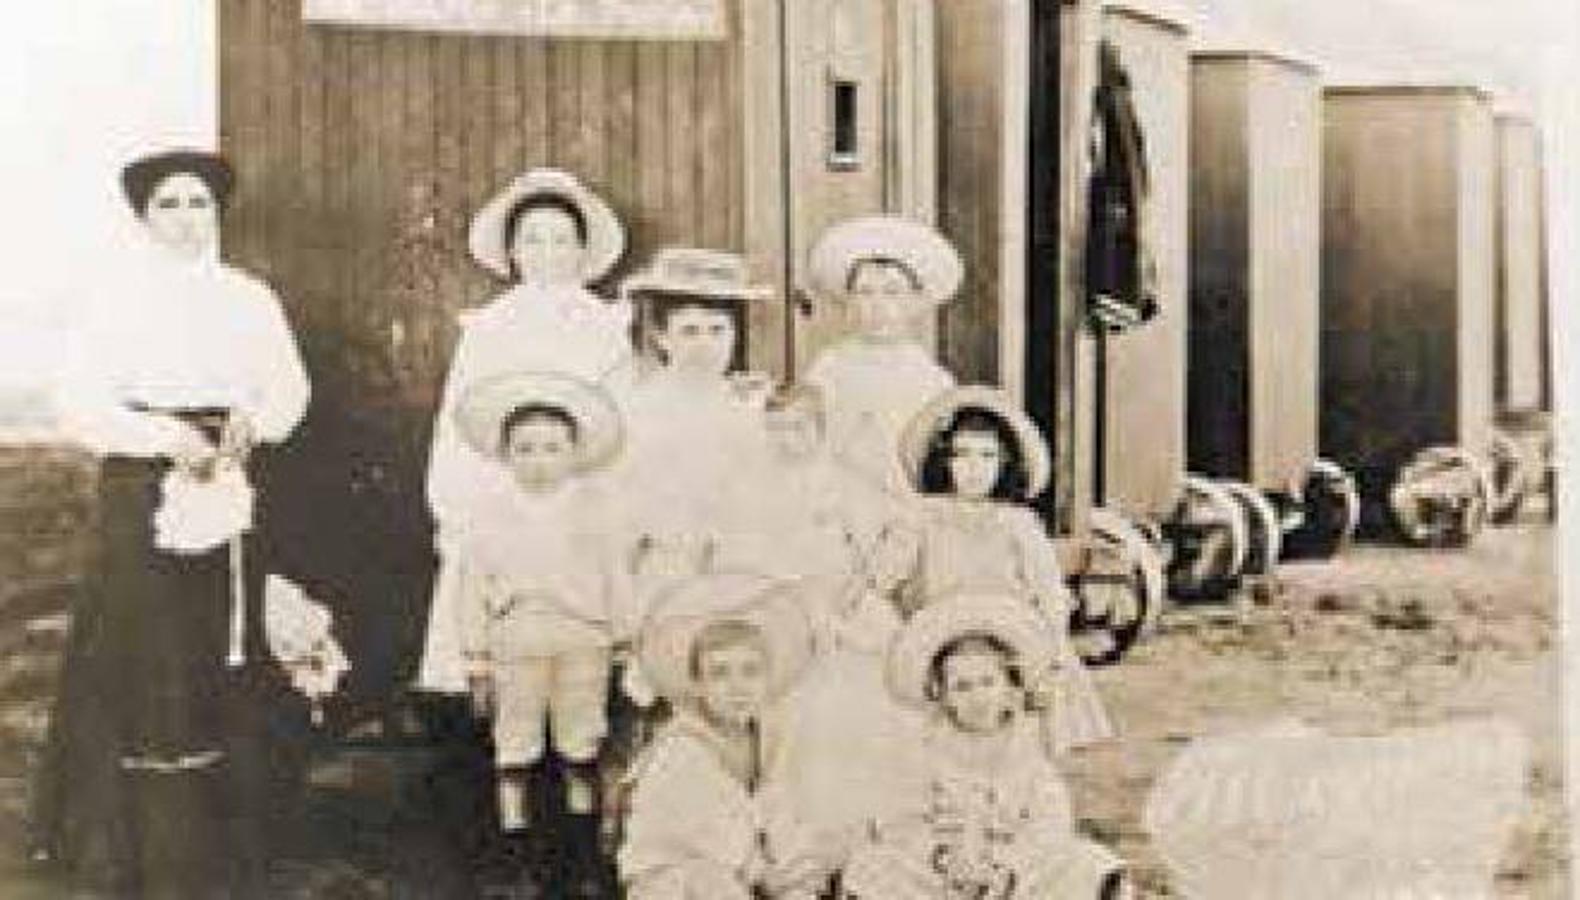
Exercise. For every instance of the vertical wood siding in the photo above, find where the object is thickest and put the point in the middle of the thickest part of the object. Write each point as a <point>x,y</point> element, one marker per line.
<point>360,157</point>
<point>1219,392</point>
<point>1406,287</point>
<point>1521,329</point>
<point>972,158</point>
<point>1286,266</point>
<point>1255,263</point>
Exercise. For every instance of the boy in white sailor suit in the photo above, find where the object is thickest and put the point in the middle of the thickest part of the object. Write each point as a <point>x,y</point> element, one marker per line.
<point>545,597</point>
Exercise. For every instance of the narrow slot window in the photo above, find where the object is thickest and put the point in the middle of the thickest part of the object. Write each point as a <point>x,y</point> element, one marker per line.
<point>846,151</point>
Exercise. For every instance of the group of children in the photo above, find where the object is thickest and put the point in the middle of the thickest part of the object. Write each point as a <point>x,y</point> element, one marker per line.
<point>829,598</point>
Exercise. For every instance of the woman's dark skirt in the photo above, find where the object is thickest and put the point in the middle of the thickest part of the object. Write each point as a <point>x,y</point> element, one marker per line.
<point>157,782</point>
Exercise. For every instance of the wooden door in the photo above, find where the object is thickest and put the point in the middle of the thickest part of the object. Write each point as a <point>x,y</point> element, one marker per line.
<point>859,87</point>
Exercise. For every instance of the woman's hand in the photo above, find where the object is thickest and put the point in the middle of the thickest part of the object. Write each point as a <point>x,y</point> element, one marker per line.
<point>238,437</point>
<point>187,448</point>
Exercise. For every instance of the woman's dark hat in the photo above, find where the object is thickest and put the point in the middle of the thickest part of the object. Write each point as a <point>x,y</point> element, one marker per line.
<point>141,176</point>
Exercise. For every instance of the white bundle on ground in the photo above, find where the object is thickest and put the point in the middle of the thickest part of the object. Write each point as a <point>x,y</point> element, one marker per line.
<point>197,514</point>
<point>1288,812</point>
<point>300,634</point>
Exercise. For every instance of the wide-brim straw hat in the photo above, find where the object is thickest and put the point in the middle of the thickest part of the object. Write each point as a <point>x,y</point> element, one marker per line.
<point>1009,620</point>
<point>678,272</point>
<point>928,255</point>
<point>485,404</point>
<point>605,236</point>
<point>925,427</point>
<point>141,177</point>
<point>776,608</point>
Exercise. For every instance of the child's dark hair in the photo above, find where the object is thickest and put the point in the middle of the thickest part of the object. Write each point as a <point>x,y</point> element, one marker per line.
<point>882,262</point>
<point>529,411</point>
<point>1014,481</point>
<point>971,642</point>
<point>661,306</point>
<point>719,635</point>
<point>542,200</point>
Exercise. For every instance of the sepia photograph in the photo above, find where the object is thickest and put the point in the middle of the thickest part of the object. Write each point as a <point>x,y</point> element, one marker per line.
<point>788,450</point>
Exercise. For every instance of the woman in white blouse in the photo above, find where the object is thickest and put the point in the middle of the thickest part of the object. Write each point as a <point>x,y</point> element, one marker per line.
<point>173,379</point>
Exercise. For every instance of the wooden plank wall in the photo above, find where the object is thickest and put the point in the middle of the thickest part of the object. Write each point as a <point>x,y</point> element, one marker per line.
<point>1286,254</point>
<point>360,157</point>
<point>973,155</point>
<point>1478,273</point>
<point>1255,266</point>
<point>1219,392</point>
<point>1521,329</point>
<point>1406,303</point>
<point>1144,406</point>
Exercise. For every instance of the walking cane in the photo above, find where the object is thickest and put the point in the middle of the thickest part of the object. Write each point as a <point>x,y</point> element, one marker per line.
<point>236,655</point>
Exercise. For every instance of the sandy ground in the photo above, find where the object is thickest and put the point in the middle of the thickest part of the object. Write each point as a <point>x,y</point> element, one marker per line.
<point>1379,638</point>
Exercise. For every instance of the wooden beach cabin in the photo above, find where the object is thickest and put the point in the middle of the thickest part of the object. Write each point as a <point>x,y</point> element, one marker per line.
<point>364,136</point>
<point>1255,211</point>
<point>1408,278</point>
<point>1133,398</point>
<point>1255,222</point>
<point>1016,82</point>
<point>1015,79</point>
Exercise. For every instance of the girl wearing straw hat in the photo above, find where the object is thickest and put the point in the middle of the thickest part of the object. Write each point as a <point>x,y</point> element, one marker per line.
<point>986,814</point>
<point>978,459</point>
<point>889,273</point>
<point>695,415</point>
<point>710,815</point>
<point>544,596</point>
<point>549,237</point>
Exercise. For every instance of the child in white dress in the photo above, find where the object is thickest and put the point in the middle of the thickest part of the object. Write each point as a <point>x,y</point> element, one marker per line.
<point>549,237</point>
<point>986,814</point>
<point>695,418</point>
<point>977,459</point>
<point>890,273</point>
<point>814,519</point>
<point>544,596</point>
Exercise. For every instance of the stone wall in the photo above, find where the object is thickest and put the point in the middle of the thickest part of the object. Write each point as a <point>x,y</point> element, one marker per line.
<point>47,511</point>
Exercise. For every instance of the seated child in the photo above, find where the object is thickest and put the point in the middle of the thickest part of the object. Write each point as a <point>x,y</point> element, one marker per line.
<point>986,814</point>
<point>818,521</point>
<point>709,816</point>
<point>978,460</point>
<point>889,274</point>
<point>545,596</point>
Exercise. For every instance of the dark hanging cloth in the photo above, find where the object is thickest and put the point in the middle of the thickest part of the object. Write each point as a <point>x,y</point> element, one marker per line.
<point>158,776</point>
<point>1121,273</point>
